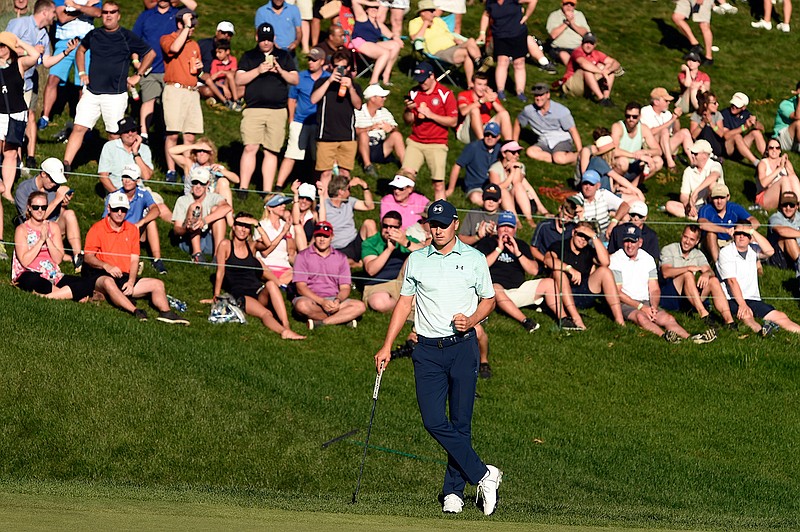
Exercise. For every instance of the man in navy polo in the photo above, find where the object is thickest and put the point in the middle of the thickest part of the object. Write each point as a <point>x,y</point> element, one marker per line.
<point>718,218</point>
<point>476,158</point>
<point>446,356</point>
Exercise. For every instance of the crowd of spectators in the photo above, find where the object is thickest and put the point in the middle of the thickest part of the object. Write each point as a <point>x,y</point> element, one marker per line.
<point>597,248</point>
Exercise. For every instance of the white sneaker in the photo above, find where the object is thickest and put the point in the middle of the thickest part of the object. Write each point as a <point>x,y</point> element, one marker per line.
<point>762,24</point>
<point>487,489</point>
<point>729,9</point>
<point>452,504</point>
<point>783,27</point>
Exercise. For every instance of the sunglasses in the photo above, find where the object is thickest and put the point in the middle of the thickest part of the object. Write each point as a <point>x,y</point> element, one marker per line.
<point>583,236</point>
<point>718,197</point>
<point>636,216</point>
<point>790,205</point>
<point>38,207</point>
<point>631,116</point>
<point>110,11</point>
<point>240,224</point>
<point>741,233</point>
<point>773,147</point>
<point>202,151</point>
<point>490,135</point>
<point>387,226</point>
<point>196,183</point>
<point>118,209</point>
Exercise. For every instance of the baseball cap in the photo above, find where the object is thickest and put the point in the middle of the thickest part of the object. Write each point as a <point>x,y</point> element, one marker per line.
<point>660,92</point>
<point>179,15</point>
<point>265,32</point>
<point>739,99</point>
<point>374,90</point>
<point>317,53</point>
<point>788,197</point>
<point>132,171</point>
<point>307,190</point>
<point>591,177</point>
<point>226,26</point>
<point>126,124</point>
<point>506,218</point>
<point>638,207</point>
<point>442,211</point>
<point>568,2</point>
<point>117,200</point>
<point>277,200</point>
<point>200,173</point>
<point>692,56</point>
<point>576,200</point>
<point>540,88</point>
<point>422,72</point>
<point>401,181</point>
<point>491,192</point>
<point>323,229</point>
<point>425,5</point>
<point>631,233</point>
<point>701,146</point>
<point>492,128</point>
<point>55,169</point>
<point>720,191</point>
<point>589,37</point>
<point>511,146</point>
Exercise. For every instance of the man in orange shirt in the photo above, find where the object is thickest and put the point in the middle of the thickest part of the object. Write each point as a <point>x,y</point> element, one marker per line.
<point>181,101</point>
<point>111,257</point>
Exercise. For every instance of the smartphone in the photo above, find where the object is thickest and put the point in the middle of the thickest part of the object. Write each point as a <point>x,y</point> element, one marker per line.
<point>269,59</point>
<point>340,70</point>
<point>70,192</point>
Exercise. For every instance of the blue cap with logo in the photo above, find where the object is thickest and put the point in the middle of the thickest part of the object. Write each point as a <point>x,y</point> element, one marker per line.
<point>631,233</point>
<point>491,128</point>
<point>442,212</point>
<point>422,71</point>
<point>591,177</point>
<point>506,218</point>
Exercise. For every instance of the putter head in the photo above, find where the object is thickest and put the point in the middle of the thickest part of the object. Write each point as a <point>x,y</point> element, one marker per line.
<point>354,501</point>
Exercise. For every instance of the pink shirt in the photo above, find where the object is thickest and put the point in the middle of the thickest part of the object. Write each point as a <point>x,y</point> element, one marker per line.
<point>42,264</point>
<point>411,212</point>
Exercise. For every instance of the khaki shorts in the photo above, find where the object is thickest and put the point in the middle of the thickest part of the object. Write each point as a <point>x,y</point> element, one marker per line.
<point>266,127</point>
<point>305,7</point>
<point>391,287</point>
<point>448,54</point>
<point>182,111</point>
<point>151,86</point>
<point>684,9</point>
<point>464,132</point>
<point>344,153</point>
<point>31,99</point>
<point>434,155</point>
<point>787,142</point>
<point>575,85</point>
<point>525,295</point>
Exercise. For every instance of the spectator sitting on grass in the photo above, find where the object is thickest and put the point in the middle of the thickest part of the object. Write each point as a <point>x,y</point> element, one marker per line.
<point>142,213</point>
<point>599,157</point>
<point>476,158</point>
<point>112,261</point>
<point>241,274</point>
<point>580,270</point>
<point>688,280</point>
<point>554,230</point>
<point>383,255</point>
<point>339,211</point>
<point>706,123</point>
<point>637,155</point>
<point>601,205</point>
<point>52,181</point>
<point>774,175</point>
<point>477,107</point>
<point>322,278</point>
<point>698,180</point>
<point>199,218</point>
<point>666,125</point>
<point>558,140</point>
<point>692,81</point>
<point>638,213</point>
<point>742,129</point>
<point>510,260</point>
<point>276,223</point>
<point>38,250</point>
<point>738,268</point>
<point>637,281</point>
<point>787,122</point>
<point>590,72</point>
<point>509,174</point>
<point>378,136</point>
<point>784,234</point>
<point>411,205</point>
<point>479,224</point>
<point>718,218</point>
<point>306,212</point>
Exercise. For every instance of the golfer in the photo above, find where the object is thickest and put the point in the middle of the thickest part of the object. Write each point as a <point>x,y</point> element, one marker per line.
<point>446,356</point>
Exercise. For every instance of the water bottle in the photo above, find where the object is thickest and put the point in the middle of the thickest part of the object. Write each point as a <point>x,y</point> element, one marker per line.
<point>134,93</point>
<point>176,303</point>
<point>335,168</point>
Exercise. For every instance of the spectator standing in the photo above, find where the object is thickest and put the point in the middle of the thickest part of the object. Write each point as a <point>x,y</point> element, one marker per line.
<point>698,11</point>
<point>286,22</point>
<point>557,137</point>
<point>765,23</point>
<point>510,35</point>
<point>107,80</point>
<point>266,72</point>
<point>430,110</point>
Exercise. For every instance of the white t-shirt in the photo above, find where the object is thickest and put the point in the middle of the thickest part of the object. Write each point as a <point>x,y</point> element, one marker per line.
<point>731,264</point>
<point>692,178</point>
<point>633,275</point>
<point>280,255</point>
<point>652,119</point>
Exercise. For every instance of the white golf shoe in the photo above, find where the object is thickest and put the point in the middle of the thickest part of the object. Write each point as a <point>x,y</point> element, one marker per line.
<point>487,489</point>
<point>452,504</point>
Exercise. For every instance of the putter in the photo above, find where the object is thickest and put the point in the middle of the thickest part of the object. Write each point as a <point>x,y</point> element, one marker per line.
<point>369,430</point>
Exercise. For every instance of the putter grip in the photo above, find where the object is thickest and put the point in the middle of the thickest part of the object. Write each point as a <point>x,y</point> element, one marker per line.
<point>377,385</point>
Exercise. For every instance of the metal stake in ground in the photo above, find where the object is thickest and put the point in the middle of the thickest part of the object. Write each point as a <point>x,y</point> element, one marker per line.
<point>369,430</point>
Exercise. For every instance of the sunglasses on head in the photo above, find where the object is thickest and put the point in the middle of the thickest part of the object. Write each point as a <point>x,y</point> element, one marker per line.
<point>118,209</point>
<point>38,207</point>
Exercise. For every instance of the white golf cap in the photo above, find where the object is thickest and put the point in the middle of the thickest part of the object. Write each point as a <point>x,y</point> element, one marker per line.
<point>132,171</point>
<point>307,190</point>
<point>226,26</point>
<point>702,146</point>
<point>375,90</point>
<point>117,200</point>
<point>638,207</point>
<point>200,173</point>
<point>401,181</point>
<point>55,169</point>
<point>740,99</point>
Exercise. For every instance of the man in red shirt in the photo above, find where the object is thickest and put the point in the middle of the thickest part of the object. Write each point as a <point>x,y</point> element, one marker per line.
<point>590,72</point>
<point>430,110</point>
<point>111,257</point>
<point>182,68</point>
<point>478,106</point>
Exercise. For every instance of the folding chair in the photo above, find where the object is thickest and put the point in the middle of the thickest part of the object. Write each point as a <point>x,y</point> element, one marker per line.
<point>438,64</point>
<point>362,65</point>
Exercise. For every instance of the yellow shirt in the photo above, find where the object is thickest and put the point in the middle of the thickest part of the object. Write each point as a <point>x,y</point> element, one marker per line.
<point>437,38</point>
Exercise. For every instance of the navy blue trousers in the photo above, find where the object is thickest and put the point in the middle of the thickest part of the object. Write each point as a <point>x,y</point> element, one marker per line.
<point>446,371</point>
